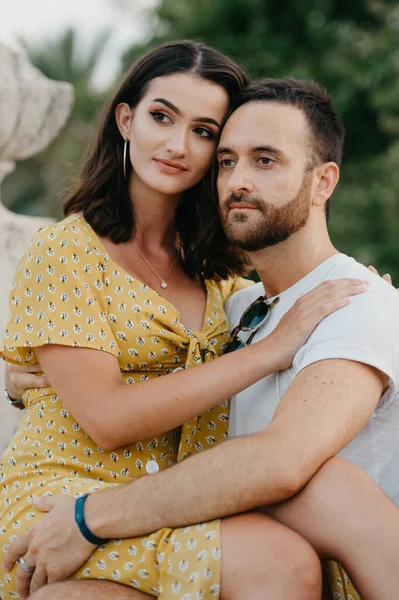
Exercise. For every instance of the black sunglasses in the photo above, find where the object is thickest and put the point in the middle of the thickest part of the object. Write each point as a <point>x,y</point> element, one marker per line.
<point>252,318</point>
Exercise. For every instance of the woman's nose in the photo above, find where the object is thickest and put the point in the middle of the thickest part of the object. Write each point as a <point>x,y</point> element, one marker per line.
<point>177,144</point>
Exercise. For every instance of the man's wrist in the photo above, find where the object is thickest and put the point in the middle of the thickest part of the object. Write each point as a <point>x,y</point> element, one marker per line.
<point>109,512</point>
<point>96,514</point>
<point>80,521</point>
<point>16,402</point>
<point>123,511</point>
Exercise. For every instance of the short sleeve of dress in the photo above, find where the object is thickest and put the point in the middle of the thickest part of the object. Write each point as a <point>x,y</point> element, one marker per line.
<point>58,296</point>
<point>230,286</point>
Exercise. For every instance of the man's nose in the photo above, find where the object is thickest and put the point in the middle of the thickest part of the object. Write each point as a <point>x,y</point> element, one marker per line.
<point>239,181</point>
<point>177,143</point>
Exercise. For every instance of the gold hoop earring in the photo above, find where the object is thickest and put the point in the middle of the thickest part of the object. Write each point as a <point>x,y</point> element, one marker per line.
<point>124,158</point>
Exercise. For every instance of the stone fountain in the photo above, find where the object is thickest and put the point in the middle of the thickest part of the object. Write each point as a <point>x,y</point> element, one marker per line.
<point>33,110</point>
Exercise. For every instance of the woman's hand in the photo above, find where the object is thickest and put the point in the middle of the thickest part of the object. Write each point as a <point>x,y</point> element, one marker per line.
<point>54,546</point>
<point>19,378</point>
<point>387,276</point>
<point>300,321</point>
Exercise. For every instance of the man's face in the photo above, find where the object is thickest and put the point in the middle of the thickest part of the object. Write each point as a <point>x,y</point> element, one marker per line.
<point>264,181</point>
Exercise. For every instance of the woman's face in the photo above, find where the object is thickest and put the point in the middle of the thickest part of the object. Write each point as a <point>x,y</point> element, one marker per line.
<point>173,132</point>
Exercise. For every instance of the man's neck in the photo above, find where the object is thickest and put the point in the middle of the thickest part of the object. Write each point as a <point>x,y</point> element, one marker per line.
<point>281,266</point>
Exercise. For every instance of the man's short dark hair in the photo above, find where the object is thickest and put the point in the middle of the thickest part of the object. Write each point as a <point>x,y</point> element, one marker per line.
<point>326,127</point>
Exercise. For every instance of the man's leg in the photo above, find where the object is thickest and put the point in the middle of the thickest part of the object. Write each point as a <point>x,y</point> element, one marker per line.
<point>263,559</point>
<point>259,558</point>
<point>345,516</point>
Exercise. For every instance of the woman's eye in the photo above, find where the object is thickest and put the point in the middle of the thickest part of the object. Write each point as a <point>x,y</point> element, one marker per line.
<point>265,161</point>
<point>160,116</point>
<point>205,133</point>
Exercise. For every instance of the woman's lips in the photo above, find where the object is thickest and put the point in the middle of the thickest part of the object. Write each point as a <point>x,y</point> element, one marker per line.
<point>166,166</point>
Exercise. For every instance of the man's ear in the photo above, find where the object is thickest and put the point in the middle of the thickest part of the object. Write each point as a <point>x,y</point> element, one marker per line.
<point>123,118</point>
<point>327,176</point>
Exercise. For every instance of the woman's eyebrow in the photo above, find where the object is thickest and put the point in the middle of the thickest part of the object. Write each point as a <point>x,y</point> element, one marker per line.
<point>206,120</point>
<point>169,105</point>
<point>179,112</point>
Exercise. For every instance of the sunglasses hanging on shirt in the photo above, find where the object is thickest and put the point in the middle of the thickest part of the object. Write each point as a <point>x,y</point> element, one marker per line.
<point>252,319</point>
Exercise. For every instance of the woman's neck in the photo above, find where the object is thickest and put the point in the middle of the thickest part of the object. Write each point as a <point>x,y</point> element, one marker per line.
<point>154,214</point>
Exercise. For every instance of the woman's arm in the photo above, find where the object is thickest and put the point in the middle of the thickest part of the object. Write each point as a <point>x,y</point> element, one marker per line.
<point>19,378</point>
<point>114,414</point>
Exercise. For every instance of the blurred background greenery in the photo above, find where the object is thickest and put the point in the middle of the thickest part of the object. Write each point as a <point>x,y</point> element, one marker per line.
<point>350,46</point>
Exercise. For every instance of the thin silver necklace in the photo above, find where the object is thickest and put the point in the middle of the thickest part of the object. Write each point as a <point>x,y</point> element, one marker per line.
<point>161,279</point>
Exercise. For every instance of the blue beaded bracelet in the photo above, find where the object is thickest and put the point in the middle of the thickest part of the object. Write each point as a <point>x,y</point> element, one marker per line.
<point>81,523</point>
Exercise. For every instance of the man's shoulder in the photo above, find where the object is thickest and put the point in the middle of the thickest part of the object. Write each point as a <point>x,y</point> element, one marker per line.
<point>366,330</point>
<point>379,292</point>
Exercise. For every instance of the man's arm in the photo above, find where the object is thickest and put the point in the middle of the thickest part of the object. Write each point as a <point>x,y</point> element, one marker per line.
<point>326,406</point>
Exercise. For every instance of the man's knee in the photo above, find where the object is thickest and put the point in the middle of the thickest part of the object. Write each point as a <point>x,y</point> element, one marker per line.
<point>336,482</point>
<point>261,555</point>
<point>339,469</point>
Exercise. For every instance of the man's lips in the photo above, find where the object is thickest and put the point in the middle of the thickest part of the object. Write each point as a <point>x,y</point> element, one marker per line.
<point>241,206</point>
<point>169,166</point>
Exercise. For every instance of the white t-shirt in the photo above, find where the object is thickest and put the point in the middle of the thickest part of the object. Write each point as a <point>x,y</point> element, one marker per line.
<point>366,330</point>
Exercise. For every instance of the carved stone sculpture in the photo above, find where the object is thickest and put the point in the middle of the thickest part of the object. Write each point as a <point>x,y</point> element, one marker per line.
<point>33,110</point>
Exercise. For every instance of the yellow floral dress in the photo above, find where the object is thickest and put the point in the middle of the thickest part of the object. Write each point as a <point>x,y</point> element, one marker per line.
<point>68,291</point>
<point>338,583</point>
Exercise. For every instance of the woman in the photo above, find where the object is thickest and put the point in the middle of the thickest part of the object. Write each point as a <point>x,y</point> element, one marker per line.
<point>87,305</point>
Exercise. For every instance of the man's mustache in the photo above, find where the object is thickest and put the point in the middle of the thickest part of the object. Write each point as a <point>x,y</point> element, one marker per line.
<point>251,201</point>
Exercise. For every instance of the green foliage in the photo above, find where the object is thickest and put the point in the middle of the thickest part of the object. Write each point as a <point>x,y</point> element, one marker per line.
<point>352,48</point>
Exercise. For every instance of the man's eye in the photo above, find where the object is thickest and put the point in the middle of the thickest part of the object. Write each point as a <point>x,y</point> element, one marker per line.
<point>226,163</point>
<point>265,161</point>
<point>160,116</point>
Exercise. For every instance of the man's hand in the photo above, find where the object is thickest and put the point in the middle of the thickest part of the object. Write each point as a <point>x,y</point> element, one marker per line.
<point>54,546</point>
<point>21,377</point>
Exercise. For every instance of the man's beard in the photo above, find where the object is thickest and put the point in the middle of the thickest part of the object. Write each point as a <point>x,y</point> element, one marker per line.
<point>271,224</point>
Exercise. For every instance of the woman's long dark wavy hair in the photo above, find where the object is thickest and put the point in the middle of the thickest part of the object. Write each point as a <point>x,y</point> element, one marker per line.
<point>101,192</point>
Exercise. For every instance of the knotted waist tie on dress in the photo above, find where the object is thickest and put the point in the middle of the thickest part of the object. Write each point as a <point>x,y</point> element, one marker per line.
<point>199,351</point>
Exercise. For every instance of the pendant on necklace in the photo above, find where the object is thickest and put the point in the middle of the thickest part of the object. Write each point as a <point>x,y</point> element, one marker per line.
<point>164,284</point>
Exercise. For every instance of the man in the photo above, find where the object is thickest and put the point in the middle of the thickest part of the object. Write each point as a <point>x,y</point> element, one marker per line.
<point>279,157</point>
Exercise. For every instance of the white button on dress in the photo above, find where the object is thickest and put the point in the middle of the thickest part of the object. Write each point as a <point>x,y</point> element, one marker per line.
<point>152,467</point>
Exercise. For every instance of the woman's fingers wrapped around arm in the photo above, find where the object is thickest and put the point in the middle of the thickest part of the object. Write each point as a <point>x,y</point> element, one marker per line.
<point>20,377</point>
